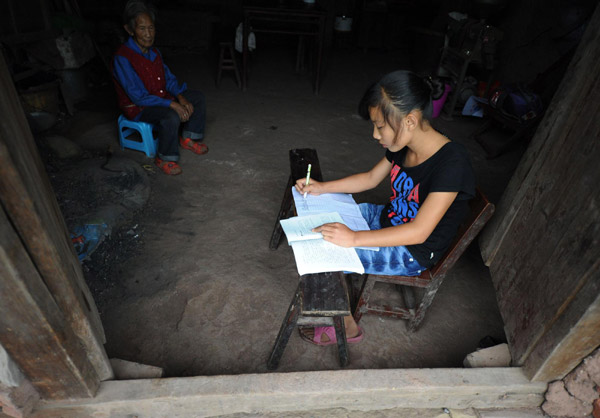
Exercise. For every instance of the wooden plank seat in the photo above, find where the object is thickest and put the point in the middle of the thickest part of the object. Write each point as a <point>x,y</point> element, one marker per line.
<point>430,280</point>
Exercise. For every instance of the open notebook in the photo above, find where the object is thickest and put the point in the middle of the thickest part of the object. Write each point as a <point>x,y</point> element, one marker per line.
<point>341,203</point>
<point>312,253</point>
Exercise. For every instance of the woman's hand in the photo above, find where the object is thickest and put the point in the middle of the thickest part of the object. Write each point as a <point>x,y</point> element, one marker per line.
<point>183,113</point>
<point>337,233</point>
<point>314,187</point>
<point>187,105</point>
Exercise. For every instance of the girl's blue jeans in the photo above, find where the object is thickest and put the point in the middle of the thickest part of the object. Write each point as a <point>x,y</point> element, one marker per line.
<point>393,261</point>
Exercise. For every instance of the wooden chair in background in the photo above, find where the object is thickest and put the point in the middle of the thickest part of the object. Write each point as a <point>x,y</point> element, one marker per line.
<point>430,280</point>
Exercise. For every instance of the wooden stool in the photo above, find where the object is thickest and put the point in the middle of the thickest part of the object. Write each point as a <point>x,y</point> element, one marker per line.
<point>227,62</point>
<point>430,280</point>
<point>320,300</point>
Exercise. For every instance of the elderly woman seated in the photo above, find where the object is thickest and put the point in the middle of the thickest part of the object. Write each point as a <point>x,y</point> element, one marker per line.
<point>147,91</point>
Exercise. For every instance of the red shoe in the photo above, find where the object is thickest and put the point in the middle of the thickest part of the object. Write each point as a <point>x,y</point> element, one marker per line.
<point>168,167</point>
<point>196,147</point>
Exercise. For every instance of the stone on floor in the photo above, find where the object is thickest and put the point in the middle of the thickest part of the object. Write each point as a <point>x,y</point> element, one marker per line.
<point>128,370</point>
<point>497,356</point>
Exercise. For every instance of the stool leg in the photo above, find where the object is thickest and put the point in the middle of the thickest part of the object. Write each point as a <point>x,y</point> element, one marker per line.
<point>300,54</point>
<point>235,67</point>
<point>122,136</point>
<point>408,294</point>
<point>363,297</point>
<point>340,335</point>
<point>220,70</point>
<point>414,323</point>
<point>148,140</point>
<point>288,325</point>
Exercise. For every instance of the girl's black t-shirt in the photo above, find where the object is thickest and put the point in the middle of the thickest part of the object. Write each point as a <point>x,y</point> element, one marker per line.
<point>448,170</point>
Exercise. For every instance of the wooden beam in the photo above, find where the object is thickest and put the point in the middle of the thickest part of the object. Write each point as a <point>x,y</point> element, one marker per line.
<point>30,204</point>
<point>33,330</point>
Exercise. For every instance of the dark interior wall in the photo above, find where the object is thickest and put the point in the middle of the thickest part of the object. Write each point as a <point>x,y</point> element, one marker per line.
<point>25,16</point>
<point>193,24</point>
<point>537,34</point>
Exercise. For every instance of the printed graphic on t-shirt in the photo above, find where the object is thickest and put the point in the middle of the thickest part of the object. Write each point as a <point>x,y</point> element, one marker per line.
<point>405,197</point>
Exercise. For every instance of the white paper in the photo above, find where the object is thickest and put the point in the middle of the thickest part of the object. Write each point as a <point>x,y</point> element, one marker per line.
<point>319,256</point>
<point>341,203</point>
<point>299,228</point>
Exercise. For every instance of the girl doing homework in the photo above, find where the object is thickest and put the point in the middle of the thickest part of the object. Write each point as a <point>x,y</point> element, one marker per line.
<point>431,179</point>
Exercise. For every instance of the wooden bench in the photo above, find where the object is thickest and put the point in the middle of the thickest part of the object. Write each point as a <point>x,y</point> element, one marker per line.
<point>321,299</point>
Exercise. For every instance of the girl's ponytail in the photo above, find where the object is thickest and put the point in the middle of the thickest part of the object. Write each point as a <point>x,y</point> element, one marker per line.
<point>400,92</point>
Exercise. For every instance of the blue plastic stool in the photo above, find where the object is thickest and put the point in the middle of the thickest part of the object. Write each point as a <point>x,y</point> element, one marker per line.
<point>127,127</point>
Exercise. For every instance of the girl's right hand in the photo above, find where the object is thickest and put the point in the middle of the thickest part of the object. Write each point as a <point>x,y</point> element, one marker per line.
<point>314,187</point>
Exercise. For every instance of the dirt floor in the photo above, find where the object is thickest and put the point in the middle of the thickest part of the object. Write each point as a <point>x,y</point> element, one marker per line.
<point>184,278</point>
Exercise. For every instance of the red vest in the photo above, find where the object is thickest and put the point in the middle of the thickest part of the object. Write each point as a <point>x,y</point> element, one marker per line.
<point>152,75</point>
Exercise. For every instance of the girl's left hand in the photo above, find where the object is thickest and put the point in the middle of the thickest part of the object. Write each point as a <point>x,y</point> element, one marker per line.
<point>337,233</point>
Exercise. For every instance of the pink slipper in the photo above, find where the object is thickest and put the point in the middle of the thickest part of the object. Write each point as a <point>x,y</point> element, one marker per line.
<point>330,332</point>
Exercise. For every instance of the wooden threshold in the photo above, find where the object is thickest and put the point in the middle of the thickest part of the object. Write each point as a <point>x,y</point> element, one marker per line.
<point>361,390</point>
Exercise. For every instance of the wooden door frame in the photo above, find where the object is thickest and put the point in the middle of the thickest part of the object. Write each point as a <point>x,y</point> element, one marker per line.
<point>60,345</point>
<point>547,278</point>
<point>49,324</point>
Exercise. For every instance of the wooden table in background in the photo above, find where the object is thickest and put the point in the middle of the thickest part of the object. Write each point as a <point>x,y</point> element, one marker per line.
<point>290,19</point>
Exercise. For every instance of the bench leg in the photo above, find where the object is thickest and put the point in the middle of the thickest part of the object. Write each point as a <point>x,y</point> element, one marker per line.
<point>284,211</point>
<point>340,335</point>
<point>288,325</point>
<point>352,291</point>
<point>363,297</point>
